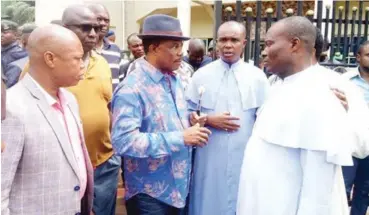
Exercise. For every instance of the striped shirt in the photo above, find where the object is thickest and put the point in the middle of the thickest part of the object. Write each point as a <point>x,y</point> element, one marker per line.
<point>112,54</point>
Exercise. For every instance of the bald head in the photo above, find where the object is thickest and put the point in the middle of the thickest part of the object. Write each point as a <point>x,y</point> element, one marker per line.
<point>298,27</point>
<point>234,26</point>
<point>103,18</point>
<point>55,53</point>
<point>132,37</point>
<point>83,22</point>
<point>196,45</point>
<point>362,46</point>
<point>53,38</point>
<point>74,14</point>
<point>196,52</point>
<point>135,45</point>
<point>98,8</point>
<point>289,46</point>
<point>362,57</point>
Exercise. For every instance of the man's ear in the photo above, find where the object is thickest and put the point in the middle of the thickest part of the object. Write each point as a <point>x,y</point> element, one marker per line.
<point>49,59</point>
<point>296,43</point>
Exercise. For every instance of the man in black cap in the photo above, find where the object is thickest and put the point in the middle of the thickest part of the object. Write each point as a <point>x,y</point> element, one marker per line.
<point>151,124</point>
<point>10,49</point>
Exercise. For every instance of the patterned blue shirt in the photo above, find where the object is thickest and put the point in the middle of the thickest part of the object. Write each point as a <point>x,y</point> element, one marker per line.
<point>354,76</point>
<point>148,122</point>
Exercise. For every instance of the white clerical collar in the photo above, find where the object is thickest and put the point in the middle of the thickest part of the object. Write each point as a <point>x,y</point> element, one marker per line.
<point>293,77</point>
<point>230,65</point>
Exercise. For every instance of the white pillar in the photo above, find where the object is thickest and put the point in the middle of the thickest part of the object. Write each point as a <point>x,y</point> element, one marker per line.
<point>48,10</point>
<point>123,21</point>
<point>184,16</point>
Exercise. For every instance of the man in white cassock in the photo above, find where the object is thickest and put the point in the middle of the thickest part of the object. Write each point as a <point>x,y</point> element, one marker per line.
<point>232,92</point>
<point>351,98</point>
<point>302,135</point>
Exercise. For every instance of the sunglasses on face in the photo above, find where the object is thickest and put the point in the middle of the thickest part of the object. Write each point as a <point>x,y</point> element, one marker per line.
<point>87,27</point>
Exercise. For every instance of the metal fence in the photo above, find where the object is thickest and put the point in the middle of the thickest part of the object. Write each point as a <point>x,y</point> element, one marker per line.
<point>343,47</point>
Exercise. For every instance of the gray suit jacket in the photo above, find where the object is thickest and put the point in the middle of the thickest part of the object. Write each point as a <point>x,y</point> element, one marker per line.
<point>38,168</point>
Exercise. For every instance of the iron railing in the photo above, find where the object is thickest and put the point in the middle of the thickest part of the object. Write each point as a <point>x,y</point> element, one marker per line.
<point>344,45</point>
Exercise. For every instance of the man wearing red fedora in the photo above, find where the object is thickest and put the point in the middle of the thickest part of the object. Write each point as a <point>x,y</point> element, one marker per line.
<point>151,128</point>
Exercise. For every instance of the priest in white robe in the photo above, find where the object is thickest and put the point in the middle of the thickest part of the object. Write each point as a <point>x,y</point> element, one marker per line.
<point>302,136</point>
<point>232,91</point>
<point>351,98</point>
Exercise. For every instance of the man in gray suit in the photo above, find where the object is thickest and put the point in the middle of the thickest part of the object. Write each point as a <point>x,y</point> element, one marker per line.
<point>45,166</point>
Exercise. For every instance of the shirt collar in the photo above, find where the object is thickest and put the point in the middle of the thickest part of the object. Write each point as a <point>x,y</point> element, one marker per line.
<point>293,77</point>
<point>104,46</point>
<point>155,74</point>
<point>230,65</point>
<point>352,73</point>
<point>49,99</point>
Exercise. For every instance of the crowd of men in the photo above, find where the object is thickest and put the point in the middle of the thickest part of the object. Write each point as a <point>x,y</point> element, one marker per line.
<point>192,134</point>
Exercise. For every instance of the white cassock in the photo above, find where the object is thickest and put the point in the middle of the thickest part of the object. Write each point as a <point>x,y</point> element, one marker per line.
<point>292,162</point>
<point>358,111</point>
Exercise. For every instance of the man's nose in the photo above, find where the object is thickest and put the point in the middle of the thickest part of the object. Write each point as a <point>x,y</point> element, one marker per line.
<point>92,33</point>
<point>263,54</point>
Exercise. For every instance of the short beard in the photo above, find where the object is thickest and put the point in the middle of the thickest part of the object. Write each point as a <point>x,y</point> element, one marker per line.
<point>364,69</point>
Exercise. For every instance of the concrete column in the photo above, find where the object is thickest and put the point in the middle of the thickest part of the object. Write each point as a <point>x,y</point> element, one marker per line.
<point>184,16</point>
<point>47,10</point>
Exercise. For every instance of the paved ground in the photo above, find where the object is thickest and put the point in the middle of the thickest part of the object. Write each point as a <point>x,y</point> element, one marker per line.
<point>120,208</point>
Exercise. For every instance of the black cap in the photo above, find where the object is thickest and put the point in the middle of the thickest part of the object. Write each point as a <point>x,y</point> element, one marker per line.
<point>8,25</point>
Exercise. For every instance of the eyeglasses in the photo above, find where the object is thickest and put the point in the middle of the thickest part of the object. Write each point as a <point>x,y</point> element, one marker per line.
<point>88,27</point>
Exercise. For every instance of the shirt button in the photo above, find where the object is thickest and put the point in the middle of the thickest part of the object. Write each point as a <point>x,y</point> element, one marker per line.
<point>76,188</point>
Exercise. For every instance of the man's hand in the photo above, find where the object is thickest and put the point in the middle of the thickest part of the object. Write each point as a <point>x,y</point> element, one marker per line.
<point>196,136</point>
<point>194,119</point>
<point>342,97</point>
<point>224,122</point>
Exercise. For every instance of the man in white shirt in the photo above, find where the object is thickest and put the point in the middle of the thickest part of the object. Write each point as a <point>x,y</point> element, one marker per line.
<point>357,176</point>
<point>292,162</point>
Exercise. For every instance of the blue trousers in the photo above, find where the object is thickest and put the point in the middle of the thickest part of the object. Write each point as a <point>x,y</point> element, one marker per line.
<point>106,185</point>
<point>357,176</point>
<point>143,204</point>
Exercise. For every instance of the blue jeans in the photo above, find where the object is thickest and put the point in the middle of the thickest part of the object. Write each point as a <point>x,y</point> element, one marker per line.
<point>358,176</point>
<point>106,185</point>
<point>143,204</point>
